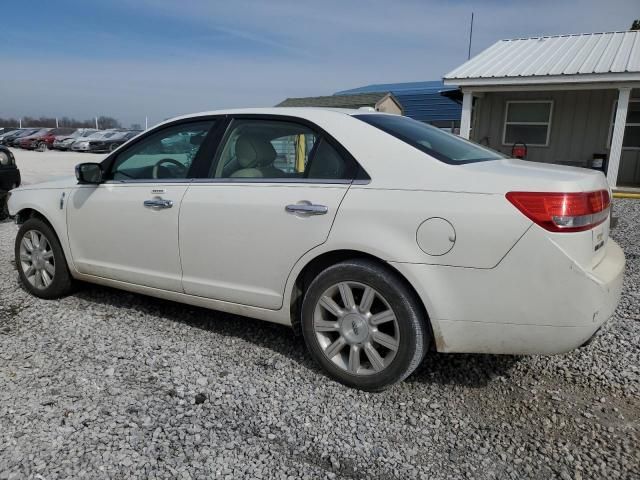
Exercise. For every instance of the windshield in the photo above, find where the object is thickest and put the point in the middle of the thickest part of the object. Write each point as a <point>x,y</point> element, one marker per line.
<point>96,135</point>
<point>446,147</point>
<point>118,135</point>
<point>27,132</point>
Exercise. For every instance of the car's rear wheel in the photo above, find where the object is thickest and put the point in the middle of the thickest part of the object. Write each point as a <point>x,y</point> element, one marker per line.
<point>40,260</point>
<point>41,147</point>
<point>363,325</point>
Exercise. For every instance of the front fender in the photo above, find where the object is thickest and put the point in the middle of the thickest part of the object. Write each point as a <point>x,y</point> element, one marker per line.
<point>50,204</point>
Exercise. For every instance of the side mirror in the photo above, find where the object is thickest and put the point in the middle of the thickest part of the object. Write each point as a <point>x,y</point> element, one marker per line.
<point>89,173</point>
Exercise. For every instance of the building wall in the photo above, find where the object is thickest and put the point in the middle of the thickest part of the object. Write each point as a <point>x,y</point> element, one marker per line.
<point>387,105</point>
<point>579,123</point>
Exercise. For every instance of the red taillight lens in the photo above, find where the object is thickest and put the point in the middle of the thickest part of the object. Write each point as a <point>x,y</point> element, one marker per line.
<point>563,212</point>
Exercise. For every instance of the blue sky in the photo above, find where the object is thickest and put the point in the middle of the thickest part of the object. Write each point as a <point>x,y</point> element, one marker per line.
<point>162,58</point>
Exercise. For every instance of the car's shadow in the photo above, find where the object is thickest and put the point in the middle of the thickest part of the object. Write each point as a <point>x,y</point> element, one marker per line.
<point>468,370</point>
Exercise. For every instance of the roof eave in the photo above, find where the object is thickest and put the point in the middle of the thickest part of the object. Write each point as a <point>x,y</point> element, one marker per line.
<point>617,77</point>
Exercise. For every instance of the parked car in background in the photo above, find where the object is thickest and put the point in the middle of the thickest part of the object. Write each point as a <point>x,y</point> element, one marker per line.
<point>9,178</point>
<point>8,132</point>
<point>449,246</point>
<point>82,144</point>
<point>12,136</point>
<point>24,141</point>
<point>109,144</point>
<point>40,141</point>
<point>64,142</point>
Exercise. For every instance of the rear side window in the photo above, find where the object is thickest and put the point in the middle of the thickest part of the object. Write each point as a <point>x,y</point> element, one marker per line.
<point>444,146</point>
<point>279,149</point>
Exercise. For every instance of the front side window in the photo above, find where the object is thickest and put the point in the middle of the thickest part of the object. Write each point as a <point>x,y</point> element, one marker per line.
<point>441,145</point>
<point>528,122</point>
<point>166,154</point>
<point>277,149</point>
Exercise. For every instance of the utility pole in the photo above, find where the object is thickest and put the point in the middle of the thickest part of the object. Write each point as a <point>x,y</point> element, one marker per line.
<point>20,121</point>
<point>146,123</point>
<point>470,37</point>
<point>97,124</point>
<point>56,122</point>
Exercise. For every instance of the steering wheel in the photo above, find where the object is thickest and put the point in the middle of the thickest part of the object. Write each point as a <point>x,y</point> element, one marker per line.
<point>181,168</point>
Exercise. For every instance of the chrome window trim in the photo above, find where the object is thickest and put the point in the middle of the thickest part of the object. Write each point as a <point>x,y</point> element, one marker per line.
<point>242,180</point>
<point>151,180</point>
<point>273,180</point>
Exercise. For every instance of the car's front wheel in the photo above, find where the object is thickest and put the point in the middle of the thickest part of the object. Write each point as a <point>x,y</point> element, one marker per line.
<point>363,325</point>
<point>40,260</point>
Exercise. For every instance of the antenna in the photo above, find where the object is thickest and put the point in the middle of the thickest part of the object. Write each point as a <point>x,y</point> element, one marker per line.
<point>470,37</point>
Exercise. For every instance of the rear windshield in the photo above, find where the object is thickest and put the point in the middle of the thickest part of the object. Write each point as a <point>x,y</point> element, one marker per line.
<point>446,147</point>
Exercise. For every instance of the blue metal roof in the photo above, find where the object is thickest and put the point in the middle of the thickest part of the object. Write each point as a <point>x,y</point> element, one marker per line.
<point>420,100</point>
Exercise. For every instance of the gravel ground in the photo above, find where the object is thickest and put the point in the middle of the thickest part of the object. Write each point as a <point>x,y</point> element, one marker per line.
<point>106,384</point>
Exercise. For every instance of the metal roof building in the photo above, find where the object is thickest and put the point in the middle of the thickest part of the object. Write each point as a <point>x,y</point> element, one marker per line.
<point>381,101</point>
<point>570,98</point>
<point>421,101</point>
<point>567,58</point>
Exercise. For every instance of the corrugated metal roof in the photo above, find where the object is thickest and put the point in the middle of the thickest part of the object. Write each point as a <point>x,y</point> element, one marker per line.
<point>420,100</point>
<point>347,101</point>
<point>590,53</point>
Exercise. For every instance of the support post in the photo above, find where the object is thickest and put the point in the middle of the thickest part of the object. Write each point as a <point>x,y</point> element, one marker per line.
<point>619,124</point>
<point>465,119</point>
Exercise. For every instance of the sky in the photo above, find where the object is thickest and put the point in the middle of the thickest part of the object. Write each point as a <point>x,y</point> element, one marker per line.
<point>160,58</point>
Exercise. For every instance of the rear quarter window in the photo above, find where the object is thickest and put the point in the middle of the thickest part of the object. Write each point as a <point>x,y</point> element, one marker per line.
<point>444,146</point>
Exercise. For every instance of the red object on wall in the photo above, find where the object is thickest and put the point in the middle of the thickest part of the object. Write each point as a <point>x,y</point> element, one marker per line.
<point>519,150</point>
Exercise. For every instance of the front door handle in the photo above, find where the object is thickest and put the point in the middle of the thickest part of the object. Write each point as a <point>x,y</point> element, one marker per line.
<point>307,208</point>
<point>158,203</point>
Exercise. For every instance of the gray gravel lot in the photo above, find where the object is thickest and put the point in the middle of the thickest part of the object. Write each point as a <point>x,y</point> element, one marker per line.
<point>106,384</point>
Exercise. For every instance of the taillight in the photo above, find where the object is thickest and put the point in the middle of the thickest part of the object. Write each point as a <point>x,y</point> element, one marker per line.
<point>563,212</point>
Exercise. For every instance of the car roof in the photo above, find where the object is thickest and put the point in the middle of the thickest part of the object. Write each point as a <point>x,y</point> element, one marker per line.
<point>308,113</point>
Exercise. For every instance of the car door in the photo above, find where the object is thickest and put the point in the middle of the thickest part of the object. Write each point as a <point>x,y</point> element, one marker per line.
<point>271,195</point>
<point>126,228</point>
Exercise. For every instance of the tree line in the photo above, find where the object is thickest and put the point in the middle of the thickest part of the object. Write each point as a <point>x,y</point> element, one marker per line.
<point>103,122</point>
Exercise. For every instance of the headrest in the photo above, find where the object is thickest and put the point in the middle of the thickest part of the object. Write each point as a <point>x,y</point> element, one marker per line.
<point>252,151</point>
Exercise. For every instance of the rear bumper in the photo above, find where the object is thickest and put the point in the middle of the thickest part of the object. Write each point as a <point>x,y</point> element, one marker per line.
<point>534,302</point>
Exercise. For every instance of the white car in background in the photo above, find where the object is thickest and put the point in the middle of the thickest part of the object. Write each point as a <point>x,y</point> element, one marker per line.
<point>377,236</point>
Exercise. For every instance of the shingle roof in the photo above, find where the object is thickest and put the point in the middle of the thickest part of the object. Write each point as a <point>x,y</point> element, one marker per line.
<point>342,101</point>
<point>420,100</point>
<point>591,53</point>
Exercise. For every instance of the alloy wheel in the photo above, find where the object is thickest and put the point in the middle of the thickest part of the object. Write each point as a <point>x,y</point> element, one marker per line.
<point>37,260</point>
<point>356,328</point>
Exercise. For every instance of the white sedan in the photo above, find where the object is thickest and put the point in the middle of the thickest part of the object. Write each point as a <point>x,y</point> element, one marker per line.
<point>376,236</point>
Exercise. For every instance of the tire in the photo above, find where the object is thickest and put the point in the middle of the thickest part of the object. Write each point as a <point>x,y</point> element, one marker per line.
<point>41,147</point>
<point>60,283</point>
<point>375,291</point>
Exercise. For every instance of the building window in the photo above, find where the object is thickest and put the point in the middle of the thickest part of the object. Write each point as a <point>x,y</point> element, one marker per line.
<point>632,127</point>
<point>528,122</point>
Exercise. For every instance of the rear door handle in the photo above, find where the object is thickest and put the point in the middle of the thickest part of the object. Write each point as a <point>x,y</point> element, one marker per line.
<point>307,208</point>
<point>158,203</point>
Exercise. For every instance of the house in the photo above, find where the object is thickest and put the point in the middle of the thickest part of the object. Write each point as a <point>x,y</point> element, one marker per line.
<point>428,102</point>
<point>379,101</point>
<point>571,99</point>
